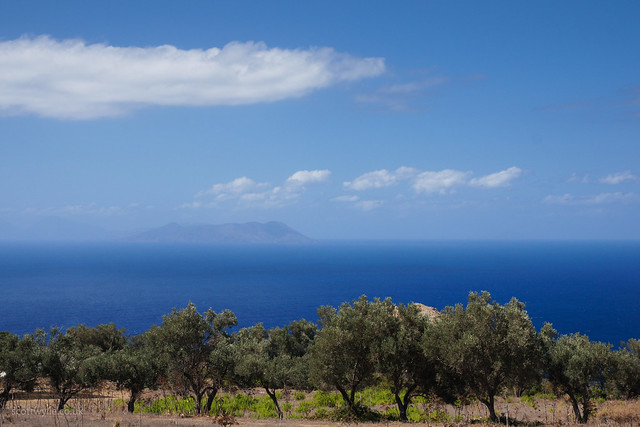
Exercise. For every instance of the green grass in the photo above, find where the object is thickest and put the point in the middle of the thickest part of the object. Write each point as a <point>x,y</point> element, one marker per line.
<point>167,405</point>
<point>319,405</point>
<point>529,400</point>
<point>322,399</point>
<point>305,408</point>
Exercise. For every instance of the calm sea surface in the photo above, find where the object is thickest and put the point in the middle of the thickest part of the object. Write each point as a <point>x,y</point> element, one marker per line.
<point>587,287</point>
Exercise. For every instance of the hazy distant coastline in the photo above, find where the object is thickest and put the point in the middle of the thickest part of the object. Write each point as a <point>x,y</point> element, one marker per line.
<point>54,229</point>
<point>250,232</point>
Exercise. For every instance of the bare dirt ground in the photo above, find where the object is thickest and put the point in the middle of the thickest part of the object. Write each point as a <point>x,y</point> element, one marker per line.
<point>131,420</point>
<point>100,408</point>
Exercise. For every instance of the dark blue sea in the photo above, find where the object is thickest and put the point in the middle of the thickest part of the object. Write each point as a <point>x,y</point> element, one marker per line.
<point>587,287</point>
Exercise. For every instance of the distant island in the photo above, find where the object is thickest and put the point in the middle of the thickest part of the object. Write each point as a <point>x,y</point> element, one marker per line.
<point>250,232</point>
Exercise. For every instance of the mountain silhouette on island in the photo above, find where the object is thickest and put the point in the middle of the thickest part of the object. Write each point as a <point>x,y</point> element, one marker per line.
<point>250,232</point>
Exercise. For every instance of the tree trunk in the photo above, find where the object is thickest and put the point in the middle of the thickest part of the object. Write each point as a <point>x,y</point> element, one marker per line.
<point>63,401</point>
<point>490,404</point>
<point>199,397</point>
<point>586,408</point>
<point>273,397</point>
<point>131,405</point>
<point>402,406</point>
<point>347,400</point>
<point>210,398</point>
<point>576,408</point>
<point>4,397</point>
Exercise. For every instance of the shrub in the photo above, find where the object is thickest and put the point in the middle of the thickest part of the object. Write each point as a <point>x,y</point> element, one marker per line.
<point>529,400</point>
<point>305,408</point>
<point>438,416</point>
<point>377,396</point>
<point>322,399</point>
<point>265,408</point>
<point>320,414</point>
<point>237,405</point>
<point>171,405</point>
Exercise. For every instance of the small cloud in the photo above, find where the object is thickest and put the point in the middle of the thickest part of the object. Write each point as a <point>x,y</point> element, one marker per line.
<point>599,199</point>
<point>192,205</point>
<point>376,179</point>
<point>89,209</point>
<point>565,199</point>
<point>439,182</point>
<point>618,178</point>
<point>380,179</point>
<point>303,177</point>
<point>413,87</point>
<point>233,188</point>
<point>584,179</point>
<point>498,179</point>
<point>248,191</point>
<point>404,172</point>
<point>402,97</point>
<point>368,205</point>
<point>345,199</point>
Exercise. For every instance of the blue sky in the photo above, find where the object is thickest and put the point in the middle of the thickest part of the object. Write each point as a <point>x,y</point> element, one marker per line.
<point>376,120</point>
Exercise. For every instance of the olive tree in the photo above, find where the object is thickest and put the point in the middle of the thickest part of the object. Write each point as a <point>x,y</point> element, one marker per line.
<point>486,347</point>
<point>19,360</point>
<point>400,356</point>
<point>343,357</point>
<point>274,359</point>
<point>71,360</point>
<point>186,341</point>
<point>575,366</point>
<point>626,369</point>
<point>133,367</point>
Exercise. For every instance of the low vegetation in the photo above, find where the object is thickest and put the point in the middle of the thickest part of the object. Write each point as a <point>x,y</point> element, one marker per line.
<point>366,360</point>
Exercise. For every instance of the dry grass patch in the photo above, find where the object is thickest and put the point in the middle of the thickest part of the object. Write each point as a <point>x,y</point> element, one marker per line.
<point>621,412</point>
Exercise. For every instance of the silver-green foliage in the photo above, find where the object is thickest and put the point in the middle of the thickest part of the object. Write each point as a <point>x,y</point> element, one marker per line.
<point>485,347</point>
<point>577,367</point>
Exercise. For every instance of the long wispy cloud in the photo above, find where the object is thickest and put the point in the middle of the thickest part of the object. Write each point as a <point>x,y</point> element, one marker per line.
<point>71,79</point>
<point>598,199</point>
<point>402,97</point>
<point>498,179</point>
<point>427,182</point>
<point>246,192</point>
<point>618,178</point>
<point>81,209</point>
<point>380,178</point>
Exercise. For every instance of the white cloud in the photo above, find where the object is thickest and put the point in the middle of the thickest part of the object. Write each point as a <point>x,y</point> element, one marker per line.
<point>376,179</point>
<point>618,178</point>
<point>233,188</point>
<point>404,172</point>
<point>90,209</point>
<point>414,86</point>
<point>368,205</point>
<point>380,179</point>
<point>444,181</point>
<point>584,179</point>
<point>251,193</point>
<point>191,205</point>
<point>403,97</point>
<point>498,179</point>
<point>598,199</point>
<point>303,177</point>
<point>73,80</point>
<point>345,198</point>
<point>441,182</point>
